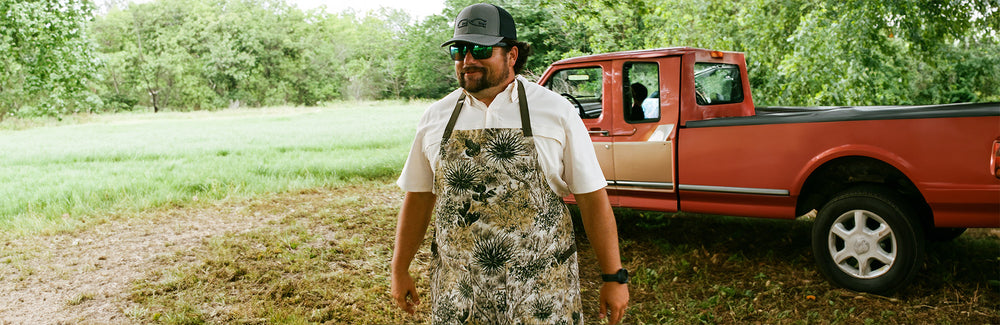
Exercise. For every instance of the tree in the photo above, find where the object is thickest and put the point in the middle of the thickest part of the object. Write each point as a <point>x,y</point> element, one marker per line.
<point>46,57</point>
<point>427,69</point>
<point>205,54</point>
<point>820,52</point>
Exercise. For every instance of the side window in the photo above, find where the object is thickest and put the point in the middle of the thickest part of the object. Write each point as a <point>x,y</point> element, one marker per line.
<point>641,92</point>
<point>583,88</point>
<point>717,83</point>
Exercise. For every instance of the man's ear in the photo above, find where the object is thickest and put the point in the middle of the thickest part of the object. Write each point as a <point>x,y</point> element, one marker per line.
<point>512,55</point>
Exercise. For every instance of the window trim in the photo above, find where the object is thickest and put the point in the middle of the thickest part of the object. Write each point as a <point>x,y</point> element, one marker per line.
<point>626,83</point>
<point>600,98</point>
<point>738,83</point>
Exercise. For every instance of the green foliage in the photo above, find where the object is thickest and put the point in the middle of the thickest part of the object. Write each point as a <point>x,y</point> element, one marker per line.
<point>552,37</point>
<point>612,25</point>
<point>207,54</point>
<point>434,75</point>
<point>818,52</point>
<point>876,54</point>
<point>194,54</point>
<point>197,54</point>
<point>45,56</point>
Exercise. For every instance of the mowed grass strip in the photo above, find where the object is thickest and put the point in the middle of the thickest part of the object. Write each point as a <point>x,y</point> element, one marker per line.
<point>59,177</point>
<point>328,263</point>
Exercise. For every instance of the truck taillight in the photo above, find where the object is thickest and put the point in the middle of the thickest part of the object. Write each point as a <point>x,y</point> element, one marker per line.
<point>715,54</point>
<point>995,159</point>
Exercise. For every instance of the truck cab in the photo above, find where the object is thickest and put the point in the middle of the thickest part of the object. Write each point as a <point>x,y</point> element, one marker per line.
<point>676,129</point>
<point>633,103</point>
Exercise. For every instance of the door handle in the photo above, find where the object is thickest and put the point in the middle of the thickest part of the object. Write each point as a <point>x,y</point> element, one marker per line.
<point>593,131</point>
<point>624,133</point>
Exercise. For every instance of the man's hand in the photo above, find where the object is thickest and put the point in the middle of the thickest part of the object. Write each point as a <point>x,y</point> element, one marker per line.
<point>614,300</point>
<point>403,288</point>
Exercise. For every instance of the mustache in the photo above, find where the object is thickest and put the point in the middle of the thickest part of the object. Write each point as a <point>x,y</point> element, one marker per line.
<point>473,69</point>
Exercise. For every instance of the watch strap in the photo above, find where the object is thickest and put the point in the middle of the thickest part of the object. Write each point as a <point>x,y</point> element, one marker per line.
<point>621,276</point>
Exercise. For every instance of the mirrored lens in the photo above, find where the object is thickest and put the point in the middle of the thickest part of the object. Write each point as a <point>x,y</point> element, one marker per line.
<point>479,52</point>
<point>457,52</point>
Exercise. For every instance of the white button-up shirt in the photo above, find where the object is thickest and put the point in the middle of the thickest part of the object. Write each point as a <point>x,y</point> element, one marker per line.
<point>562,143</point>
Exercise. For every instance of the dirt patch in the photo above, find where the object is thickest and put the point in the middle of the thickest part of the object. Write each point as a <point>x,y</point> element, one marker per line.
<point>322,256</point>
<point>85,276</point>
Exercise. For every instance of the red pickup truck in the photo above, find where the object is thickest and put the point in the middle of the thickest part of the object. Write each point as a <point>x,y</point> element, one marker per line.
<point>676,129</point>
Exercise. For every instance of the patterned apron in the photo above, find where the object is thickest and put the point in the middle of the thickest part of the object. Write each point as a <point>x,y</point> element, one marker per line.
<point>503,250</point>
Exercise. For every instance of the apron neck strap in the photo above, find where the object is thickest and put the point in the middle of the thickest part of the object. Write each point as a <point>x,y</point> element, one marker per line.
<point>454,117</point>
<point>522,102</point>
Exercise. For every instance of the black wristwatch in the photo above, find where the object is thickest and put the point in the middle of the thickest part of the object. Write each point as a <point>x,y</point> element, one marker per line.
<point>621,277</point>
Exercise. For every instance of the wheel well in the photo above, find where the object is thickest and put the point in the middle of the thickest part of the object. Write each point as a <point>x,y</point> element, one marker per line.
<point>842,173</point>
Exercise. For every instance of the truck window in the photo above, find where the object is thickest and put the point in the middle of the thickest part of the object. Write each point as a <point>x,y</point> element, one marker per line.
<point>717,83</point>
<point>641,92</point>
<point>583,88</point>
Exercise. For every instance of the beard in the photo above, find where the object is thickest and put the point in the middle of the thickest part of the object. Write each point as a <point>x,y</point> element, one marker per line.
<point>486,78</point>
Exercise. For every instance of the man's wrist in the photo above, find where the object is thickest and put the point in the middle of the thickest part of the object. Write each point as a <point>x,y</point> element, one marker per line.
<point>621,276</point>
<point>399,266</point>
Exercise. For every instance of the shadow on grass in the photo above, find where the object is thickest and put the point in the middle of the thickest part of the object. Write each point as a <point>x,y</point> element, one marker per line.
<point>720,269</point>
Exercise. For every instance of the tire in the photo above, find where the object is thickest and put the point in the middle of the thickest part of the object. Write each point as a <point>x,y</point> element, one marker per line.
<point>881,255</point>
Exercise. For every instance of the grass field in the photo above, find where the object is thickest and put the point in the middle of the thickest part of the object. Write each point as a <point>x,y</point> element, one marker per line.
<point>57,177</point>
<point>319,183</point>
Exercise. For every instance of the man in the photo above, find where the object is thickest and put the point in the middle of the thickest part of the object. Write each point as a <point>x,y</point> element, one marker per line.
<point>639,93</point>
<point>493,172</point>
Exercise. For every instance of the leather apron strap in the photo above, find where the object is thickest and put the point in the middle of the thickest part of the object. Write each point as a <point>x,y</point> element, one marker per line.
<point>522,102</point>
<point>454,117</point>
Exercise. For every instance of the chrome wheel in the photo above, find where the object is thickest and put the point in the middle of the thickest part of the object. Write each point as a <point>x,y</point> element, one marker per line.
<point>865,239</point>
<point>862,244</point>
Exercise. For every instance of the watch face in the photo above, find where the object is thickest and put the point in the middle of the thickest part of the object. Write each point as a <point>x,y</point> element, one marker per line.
<point>623,276</point>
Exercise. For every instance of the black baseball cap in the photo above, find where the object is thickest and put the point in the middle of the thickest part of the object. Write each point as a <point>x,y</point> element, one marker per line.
<point>483,24</point>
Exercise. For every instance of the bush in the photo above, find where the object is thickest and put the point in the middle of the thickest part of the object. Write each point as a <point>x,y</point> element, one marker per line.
<point>119,102</point>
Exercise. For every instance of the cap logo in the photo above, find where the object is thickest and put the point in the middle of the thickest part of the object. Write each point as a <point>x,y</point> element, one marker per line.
<point>479,22</point>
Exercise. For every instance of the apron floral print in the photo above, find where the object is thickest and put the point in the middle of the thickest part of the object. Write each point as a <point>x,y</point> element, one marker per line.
<point>503,248</point>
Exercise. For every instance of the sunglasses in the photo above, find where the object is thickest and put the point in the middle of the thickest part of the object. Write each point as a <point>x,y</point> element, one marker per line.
<point>479,52</point>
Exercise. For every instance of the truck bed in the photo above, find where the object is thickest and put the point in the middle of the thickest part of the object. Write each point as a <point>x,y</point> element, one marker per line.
<point>782,115</point>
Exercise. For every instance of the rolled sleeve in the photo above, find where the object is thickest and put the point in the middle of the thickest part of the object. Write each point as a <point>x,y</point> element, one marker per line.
<point>417,174</point>
<point>583,172</point>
